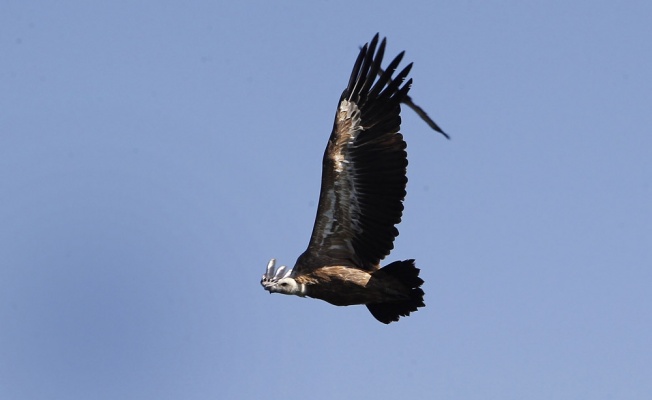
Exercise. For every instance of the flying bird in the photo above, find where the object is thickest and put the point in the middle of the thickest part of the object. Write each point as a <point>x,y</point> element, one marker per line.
<point>361,200</point>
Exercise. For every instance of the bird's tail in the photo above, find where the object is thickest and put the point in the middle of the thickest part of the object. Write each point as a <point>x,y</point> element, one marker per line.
<point>412,298</point>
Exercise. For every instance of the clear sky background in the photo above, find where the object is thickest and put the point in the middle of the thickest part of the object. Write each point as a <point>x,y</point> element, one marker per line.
<point>155,155</point>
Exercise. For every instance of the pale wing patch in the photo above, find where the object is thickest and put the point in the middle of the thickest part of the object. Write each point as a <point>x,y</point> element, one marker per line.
<point>342,211</point>
<point>348,127</point>
<point>328,216</point>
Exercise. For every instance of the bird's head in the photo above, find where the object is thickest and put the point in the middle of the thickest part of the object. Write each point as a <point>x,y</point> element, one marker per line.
<point>279,280</point>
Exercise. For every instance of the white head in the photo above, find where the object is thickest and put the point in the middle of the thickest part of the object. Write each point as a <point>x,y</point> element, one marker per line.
<point>280,280</point>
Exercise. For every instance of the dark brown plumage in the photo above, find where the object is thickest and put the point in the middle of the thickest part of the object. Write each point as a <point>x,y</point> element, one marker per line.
<point>361,200</point>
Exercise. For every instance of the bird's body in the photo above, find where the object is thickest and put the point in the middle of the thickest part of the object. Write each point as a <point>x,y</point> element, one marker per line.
<point>361,201</point>
<point>346,286</point>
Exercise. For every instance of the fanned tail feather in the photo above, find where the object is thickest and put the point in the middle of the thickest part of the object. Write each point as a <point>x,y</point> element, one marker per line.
<point>408,274</point>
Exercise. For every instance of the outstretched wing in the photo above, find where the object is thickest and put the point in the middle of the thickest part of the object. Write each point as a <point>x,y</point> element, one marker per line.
<point>364,169</point>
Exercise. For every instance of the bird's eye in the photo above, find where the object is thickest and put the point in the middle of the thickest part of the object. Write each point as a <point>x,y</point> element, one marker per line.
<point>284,284</point>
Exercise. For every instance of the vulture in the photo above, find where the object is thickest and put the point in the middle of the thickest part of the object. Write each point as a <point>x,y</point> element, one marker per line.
<point>361,200</point>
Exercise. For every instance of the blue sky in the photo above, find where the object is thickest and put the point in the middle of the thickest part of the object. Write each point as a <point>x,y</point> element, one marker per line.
<point>155,156</point>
